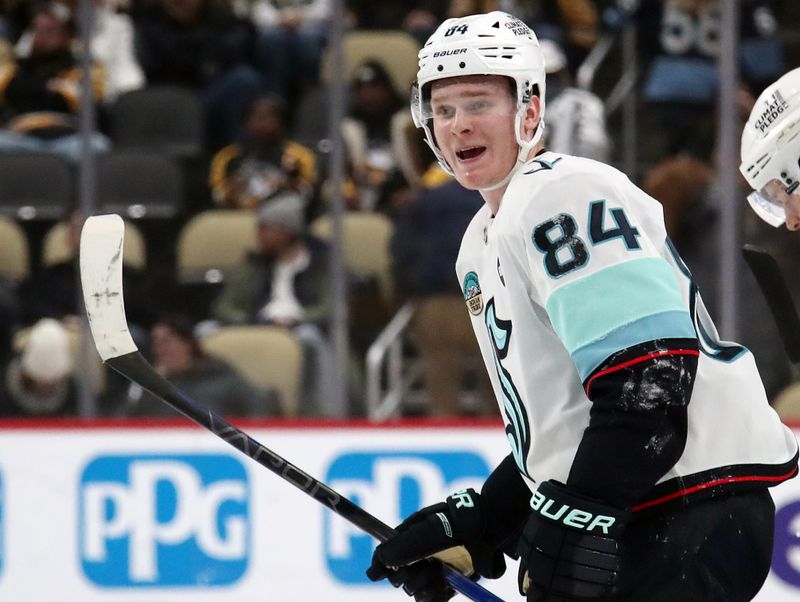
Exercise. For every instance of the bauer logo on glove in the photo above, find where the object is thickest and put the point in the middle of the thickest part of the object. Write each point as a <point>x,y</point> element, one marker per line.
<point>570,546</point>
<point>571,517</point>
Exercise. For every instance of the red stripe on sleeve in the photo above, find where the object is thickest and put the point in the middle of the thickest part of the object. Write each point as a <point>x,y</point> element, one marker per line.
<point>725,481</point>
<point>638,360</point>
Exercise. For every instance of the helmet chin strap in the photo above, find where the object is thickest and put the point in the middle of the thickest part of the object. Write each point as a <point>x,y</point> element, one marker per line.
<point>525,147</point>
<point>517,165</point>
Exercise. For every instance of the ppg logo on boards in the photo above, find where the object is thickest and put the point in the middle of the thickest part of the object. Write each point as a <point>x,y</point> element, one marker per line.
<point>164,521</point>
<point>390,485</point>
<point>786,548</point>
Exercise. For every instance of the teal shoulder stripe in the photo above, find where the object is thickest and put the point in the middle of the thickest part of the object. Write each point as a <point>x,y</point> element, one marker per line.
<point>667,325</point>
<point>588,309</point>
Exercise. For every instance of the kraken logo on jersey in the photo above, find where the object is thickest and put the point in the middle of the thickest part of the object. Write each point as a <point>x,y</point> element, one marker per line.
<point>518,428</point>
<point>472,294</point>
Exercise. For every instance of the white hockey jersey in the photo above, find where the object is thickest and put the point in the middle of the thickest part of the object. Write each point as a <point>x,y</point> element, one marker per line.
<point>574,267</point>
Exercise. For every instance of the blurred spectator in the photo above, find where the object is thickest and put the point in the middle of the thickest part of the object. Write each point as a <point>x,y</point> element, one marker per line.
<point>111,46</point>
<point>424,247</point>
<point>7,35</point>
<point>176,355</point>
<point>264,162</point>
<point>41,91</point>
<point>293,35</point>
<point>580,22</point>
<point>681,41</point>
<point>576,121</point>
<point>367,130</point>
<point>426,238</point>
<point>680,183</point>
<point>689,190</point>
<point>286,283</point>
<point>417,18</point>
<point>202,45</point>
<point>14,17</point>
<point>53,290</point>
<point>9,316</point>
<point>39,381</point>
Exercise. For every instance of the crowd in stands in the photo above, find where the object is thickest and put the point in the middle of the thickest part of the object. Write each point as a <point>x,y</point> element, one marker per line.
<point>238,94</point>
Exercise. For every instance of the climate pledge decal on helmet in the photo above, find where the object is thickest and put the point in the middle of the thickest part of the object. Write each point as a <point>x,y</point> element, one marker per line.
<point>775,106</point>
<point>518,27</point>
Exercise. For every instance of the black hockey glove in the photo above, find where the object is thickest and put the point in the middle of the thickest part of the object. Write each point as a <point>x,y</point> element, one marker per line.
<point>424,580</point>
<point>570,547</point>
<point>450,531</point>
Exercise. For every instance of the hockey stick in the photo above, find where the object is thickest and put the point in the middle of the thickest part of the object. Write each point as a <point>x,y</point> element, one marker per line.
<point>772,284</point>
<point>101,280</point>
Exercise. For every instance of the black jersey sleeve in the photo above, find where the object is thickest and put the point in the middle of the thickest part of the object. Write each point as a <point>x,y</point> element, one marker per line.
<point>638,420</point>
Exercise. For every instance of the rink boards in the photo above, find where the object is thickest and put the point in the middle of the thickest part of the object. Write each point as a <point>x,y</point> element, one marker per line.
<point>171,513</point>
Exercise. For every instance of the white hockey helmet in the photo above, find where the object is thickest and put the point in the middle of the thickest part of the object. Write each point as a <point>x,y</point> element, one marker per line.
<point>771,148</point>
<point>494,43</point>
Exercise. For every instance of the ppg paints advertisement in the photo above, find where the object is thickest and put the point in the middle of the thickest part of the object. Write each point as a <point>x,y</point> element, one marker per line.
<point>174,514</point>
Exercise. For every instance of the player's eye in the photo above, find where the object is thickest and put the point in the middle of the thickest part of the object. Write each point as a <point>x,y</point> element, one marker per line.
<point>477,106</point>
<point>444,111</point>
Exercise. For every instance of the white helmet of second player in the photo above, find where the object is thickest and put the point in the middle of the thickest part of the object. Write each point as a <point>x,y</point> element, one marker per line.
<point>771,148</point>
<point>494,43</point>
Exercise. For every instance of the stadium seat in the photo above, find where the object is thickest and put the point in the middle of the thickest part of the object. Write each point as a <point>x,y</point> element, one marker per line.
<point>168,119</point>
<point>267,356</point>
<point>14,252</point>
<point>35,186</point>
<point>787,403</point>
<point>213,242</point>
<point>56,247</point>
<point>139,184</point>
<point>396,50</point>
<point>366,245</point>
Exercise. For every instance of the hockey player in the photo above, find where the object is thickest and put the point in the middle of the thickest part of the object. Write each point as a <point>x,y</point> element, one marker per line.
<point>642,446</point>
<point>771,152</point>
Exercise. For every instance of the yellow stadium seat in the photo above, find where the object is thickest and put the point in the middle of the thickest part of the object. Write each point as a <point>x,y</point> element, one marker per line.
<point>213,242</point>
<point>269,357</point>
<point>396,50</point>
<point>56,247</point>
<point>367,236</point>
<point>14,253</point>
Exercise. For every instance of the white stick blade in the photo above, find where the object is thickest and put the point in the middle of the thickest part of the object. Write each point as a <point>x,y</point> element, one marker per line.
<point>101,279</point>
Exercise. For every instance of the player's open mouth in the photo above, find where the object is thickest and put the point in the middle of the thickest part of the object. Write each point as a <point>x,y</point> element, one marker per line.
<point>467,154</point>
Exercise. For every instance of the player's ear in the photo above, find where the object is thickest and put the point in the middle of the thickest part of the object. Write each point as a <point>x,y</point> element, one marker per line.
<point>792,208</point>
<point>531,118</point>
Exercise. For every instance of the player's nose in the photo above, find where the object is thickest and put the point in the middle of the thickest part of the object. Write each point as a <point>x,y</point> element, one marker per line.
<point>461,122</point>
<point>792,208</point>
